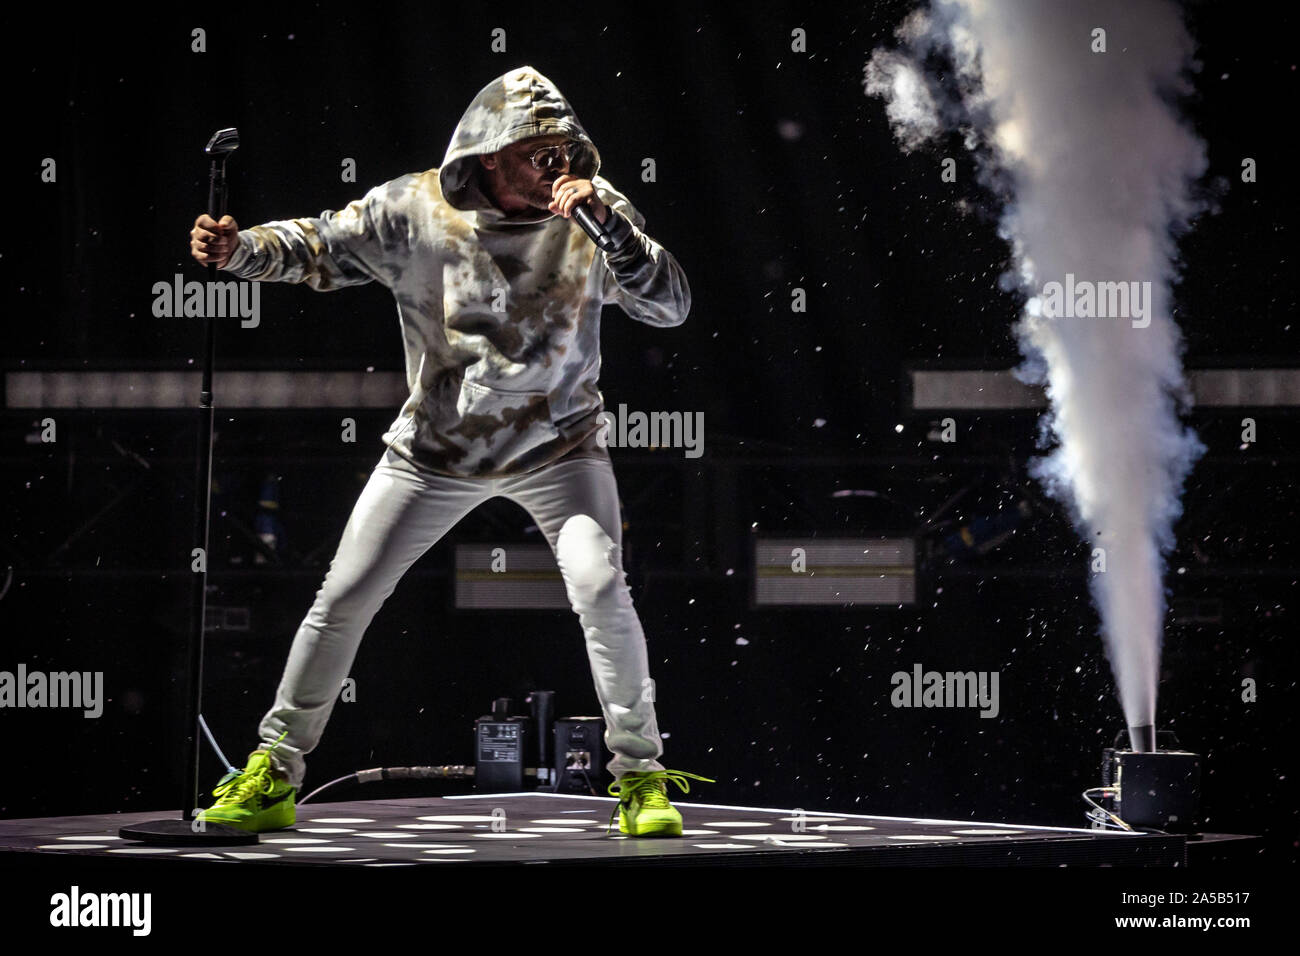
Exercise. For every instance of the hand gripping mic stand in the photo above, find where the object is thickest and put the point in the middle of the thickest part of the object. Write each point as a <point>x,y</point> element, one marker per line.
<point>188,831</point>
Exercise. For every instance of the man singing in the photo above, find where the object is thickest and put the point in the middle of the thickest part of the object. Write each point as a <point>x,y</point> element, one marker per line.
<point>499,300</point>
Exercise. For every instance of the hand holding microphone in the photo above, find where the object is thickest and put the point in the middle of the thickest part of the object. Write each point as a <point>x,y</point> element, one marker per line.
<point>576,198</point>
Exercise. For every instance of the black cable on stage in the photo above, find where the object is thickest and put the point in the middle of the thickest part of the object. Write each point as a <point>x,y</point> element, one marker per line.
<point>591,787</point>
<point>446,772</point>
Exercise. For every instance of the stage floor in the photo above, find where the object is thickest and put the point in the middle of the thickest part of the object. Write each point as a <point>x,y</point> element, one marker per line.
<point>570,830</point>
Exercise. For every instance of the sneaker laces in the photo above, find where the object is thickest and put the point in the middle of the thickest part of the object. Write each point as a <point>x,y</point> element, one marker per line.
<point>238,786</point>
<point>652,788</point>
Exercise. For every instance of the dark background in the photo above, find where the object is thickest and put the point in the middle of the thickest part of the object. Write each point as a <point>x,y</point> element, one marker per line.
<point>774,171</point>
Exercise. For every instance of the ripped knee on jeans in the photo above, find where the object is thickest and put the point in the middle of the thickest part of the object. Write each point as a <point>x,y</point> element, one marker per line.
<point>588,558</point>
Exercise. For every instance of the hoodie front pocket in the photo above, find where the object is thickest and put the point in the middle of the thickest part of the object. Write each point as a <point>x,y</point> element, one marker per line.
<point>504,420</point>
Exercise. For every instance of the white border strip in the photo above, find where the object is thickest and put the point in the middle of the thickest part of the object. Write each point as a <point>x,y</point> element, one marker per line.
<point>810,813</point>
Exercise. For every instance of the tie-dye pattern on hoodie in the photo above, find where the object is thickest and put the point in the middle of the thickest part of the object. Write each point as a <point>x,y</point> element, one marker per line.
<point>500,317</point>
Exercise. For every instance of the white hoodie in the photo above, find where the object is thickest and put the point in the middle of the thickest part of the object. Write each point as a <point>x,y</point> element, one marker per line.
<point>500,317</point>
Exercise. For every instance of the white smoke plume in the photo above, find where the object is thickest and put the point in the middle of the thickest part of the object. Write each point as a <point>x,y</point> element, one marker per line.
<point>1098,173</point>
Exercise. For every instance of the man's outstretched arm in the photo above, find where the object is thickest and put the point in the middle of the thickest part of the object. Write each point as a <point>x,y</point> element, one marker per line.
<point>643,278</point>
<point>360,243</point>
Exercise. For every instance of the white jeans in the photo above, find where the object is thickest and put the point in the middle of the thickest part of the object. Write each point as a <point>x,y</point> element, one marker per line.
<point>403,512</point>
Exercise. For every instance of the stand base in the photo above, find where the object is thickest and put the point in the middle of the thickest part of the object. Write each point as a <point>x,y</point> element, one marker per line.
<point>182,833</point>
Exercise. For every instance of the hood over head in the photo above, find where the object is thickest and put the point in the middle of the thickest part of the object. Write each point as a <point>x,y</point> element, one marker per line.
<point>514,106</point>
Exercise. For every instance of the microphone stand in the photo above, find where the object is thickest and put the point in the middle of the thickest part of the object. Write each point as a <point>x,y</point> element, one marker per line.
<point>189,831</point>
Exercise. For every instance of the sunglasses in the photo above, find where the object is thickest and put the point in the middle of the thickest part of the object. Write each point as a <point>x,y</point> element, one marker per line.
<point>549,156</point>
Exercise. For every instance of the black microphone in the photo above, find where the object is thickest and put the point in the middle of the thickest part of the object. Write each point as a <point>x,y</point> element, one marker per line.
<point>587,220</point>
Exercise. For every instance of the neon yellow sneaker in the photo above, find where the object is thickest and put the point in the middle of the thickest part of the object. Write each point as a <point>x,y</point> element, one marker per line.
<point>254,800</point>
<point>643,807</point>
